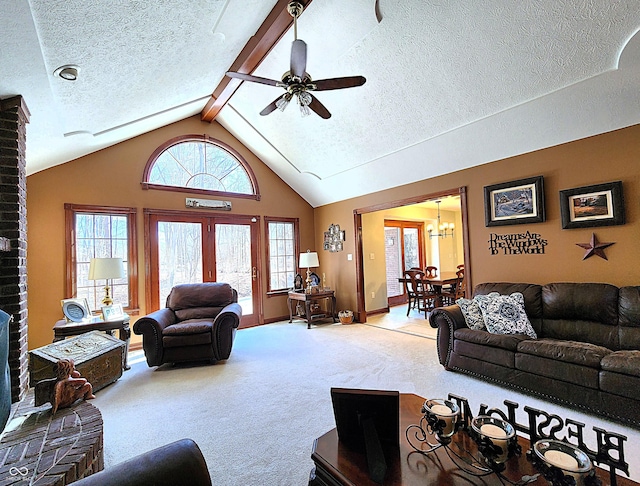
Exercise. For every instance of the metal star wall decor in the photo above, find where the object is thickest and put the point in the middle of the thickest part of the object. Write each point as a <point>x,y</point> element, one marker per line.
<point>594,247</point>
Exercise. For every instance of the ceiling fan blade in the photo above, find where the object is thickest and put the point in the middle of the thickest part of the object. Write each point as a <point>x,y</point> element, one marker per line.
<point>339,83</point>
<point>319,108</point>
<point>271,107</point>
<point>254,79</point>
<point>298,58</point>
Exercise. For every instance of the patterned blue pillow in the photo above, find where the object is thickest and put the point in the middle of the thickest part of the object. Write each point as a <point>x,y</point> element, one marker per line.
<point>472,313</point>
<point>504,314</point>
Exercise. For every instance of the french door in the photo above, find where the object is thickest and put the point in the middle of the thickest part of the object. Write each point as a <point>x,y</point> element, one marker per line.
<point>192,248</point>
<point>404,243</point>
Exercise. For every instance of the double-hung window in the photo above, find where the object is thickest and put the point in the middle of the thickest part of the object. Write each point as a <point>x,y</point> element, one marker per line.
<point>282,251</point>
<point>101,232</point>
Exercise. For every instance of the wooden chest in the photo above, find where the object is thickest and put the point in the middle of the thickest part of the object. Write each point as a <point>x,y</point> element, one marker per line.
<point>98,357</point>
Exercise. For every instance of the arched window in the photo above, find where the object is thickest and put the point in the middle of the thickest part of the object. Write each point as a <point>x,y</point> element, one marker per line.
<point>200,164</point>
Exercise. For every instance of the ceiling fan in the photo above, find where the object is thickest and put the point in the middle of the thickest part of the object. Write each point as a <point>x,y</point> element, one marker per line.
<point>297,82</point>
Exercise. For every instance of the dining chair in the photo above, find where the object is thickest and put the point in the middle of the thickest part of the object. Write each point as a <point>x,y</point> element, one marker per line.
<point>419,295</point>
<point>431,271</point>
<point>450,294</point>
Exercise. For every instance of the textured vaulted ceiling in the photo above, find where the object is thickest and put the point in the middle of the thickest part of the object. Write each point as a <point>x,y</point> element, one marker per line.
<point>450,84</point>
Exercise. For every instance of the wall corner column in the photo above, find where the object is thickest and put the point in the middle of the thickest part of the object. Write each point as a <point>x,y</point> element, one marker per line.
<point>14,116</point>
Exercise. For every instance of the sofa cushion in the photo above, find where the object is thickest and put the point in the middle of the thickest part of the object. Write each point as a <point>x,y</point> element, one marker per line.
<point>189,327</point>
<point>471,311</point>
<point>620,384</point>
<point>585,312</point>
<point>583,354</point>
<point>557,370</point>
<point>532,295</point>
<point>629,317</point>
<point>505,314</point>
<point>485,338</point>
<point>198,313</point>
<point>498,356</point>
<point>624,362</point>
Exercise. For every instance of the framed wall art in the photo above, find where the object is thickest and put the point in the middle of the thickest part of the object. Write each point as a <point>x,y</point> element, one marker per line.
<point>590,206</point>
<point>515,202</point>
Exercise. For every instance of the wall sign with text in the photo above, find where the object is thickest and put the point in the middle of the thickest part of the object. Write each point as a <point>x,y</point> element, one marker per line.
<point>517,244</point>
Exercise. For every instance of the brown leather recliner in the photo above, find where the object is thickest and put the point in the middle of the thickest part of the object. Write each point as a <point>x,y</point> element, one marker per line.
<point>199,323</point>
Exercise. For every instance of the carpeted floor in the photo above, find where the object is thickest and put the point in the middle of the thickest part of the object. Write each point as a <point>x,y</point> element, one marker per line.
<point>255,416</point>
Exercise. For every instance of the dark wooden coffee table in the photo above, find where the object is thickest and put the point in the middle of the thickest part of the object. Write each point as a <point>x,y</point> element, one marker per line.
<point>335,464</point>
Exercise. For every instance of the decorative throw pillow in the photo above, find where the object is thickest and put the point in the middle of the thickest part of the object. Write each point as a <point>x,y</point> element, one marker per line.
<point>472,312</point>
<point>504,314</point>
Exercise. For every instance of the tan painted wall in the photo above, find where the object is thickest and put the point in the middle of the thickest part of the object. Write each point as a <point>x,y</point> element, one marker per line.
<point>603,158</point>
<point>112,177</point>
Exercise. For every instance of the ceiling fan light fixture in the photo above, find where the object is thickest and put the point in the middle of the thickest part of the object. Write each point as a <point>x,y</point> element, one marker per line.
<point>283,102</point>
<point>304,98</point>
<point>297,82</point>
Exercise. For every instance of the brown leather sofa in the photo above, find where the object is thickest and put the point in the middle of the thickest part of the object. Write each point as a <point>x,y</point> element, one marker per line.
<point>198,323</point>
<point>586,356</point>
<point>175,464</point>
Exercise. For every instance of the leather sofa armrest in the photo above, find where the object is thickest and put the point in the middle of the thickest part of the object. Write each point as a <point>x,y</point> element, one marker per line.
<point>224,329</point>
<point>151,327</point>
<point>179,462</point>
<point>447,320</point>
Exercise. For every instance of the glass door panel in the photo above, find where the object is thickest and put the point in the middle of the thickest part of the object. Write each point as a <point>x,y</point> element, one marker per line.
<point>179,255</point>
<point>233,261</point>
<point>411,248</point>
<point>393,252</point>
<point>403,250</point>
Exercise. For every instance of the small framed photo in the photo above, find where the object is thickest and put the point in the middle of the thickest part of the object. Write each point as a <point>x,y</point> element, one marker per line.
<point>590,206</point>
<point>516,202</point>
<point>112,312</point>
<point>76,310</point>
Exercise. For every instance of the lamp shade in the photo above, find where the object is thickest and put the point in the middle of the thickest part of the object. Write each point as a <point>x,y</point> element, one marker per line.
<point>105,268</point>
<point>309,260</point>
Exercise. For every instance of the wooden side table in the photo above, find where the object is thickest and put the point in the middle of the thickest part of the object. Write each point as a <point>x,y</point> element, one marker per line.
<point>63,329</point>
<point>308,299</point>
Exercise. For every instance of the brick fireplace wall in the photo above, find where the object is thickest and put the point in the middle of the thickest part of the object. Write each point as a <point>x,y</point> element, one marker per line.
<point>14,117</point>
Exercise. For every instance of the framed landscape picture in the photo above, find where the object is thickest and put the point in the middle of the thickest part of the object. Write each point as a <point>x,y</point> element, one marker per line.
<point>590,206</point>
<point>515,202</point>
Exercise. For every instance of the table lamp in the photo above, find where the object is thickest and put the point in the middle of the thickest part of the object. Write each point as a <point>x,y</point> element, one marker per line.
<point>106,268</point>
<point>309,260</point>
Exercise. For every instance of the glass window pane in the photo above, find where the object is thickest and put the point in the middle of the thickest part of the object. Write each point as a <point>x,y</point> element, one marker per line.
<point>179,255</point>
<point>282,259</point>
<point>100,235</point>
<point>201,165</point>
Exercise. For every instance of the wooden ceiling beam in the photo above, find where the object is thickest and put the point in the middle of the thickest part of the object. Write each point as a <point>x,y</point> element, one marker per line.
<point>277,23</point>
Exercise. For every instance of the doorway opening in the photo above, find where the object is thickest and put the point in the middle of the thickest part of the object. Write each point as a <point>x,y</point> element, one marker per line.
<point>374,275</point>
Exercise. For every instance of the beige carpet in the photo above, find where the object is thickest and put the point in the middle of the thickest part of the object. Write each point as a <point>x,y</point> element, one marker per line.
<point>397,320</point>
<point>255,416</point>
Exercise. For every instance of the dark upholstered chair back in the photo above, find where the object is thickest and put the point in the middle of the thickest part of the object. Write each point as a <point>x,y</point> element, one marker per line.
<point>198,301</point>
<point>179,462</point>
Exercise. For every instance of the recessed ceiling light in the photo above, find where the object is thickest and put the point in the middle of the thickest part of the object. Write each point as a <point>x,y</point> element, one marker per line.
<point>68,72</point>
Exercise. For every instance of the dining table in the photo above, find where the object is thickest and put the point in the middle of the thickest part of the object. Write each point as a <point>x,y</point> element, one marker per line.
<point>437,282</point>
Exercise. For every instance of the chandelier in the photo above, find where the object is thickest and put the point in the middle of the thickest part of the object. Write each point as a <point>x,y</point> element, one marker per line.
<point>444,229</point>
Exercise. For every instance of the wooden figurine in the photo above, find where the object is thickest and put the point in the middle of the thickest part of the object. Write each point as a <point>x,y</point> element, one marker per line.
<point>69,386</point>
